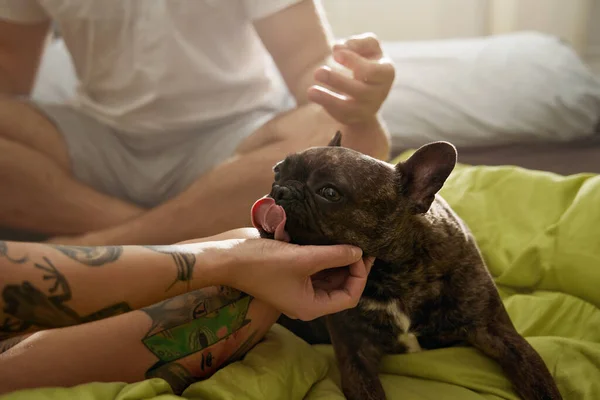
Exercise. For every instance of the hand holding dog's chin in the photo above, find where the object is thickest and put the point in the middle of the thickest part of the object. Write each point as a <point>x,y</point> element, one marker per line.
<point>280,274</point>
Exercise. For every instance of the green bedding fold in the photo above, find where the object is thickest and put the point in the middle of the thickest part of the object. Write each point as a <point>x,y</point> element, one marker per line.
<point>540,236</point>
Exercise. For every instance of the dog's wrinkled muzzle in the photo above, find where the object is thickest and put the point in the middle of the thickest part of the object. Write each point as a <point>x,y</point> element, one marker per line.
<point>270,217</point>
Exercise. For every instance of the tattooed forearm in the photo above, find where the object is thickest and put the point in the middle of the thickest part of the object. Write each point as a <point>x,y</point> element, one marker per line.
<point>243,349</point>
<point>184,262</point>
<point>27,306</point>
<point>4,254</point>
<point>91,256</point>
<point>187,307</point>
<point>198,334</point>
<point>185,329</point>
<point>175,374</point>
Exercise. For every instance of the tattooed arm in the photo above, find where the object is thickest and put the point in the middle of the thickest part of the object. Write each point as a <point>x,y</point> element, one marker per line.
<point>181,340</point>
<point>46,286</point>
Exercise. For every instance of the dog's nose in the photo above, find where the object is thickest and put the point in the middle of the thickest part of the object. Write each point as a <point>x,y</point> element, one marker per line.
<point>281,193</point>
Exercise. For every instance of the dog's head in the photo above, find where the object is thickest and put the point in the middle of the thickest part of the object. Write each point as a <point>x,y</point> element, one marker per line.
<point>335,195</point>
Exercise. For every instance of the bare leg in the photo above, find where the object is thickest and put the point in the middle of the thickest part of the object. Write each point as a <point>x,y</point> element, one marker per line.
<point>221,199</point>
<point>39,193</point>
<point>521,363</point>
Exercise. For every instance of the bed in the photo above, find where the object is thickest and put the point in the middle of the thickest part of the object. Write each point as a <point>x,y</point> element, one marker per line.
<point>538,232</point>
<point>528,187</point>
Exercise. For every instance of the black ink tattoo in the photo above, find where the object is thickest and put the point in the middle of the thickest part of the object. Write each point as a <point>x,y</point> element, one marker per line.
<point>4,253</point>
<point>92,256</point>
<point>175,374</point>
<point>28,306</point>
<point>9,343</point>
<point>206,362</point>
<point>184,262</point>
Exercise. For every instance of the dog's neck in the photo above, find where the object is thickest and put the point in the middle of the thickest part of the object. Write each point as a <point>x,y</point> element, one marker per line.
<point>415,254</point>
<point>413,236</point>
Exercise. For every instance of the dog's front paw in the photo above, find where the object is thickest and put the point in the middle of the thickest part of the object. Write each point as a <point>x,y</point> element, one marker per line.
<point>364,389</point>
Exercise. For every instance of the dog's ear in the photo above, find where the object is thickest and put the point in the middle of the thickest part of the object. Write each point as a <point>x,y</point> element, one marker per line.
<point>424,173</point>
<point>336,141</point>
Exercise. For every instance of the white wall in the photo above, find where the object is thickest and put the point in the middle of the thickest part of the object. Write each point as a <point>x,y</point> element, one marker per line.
<point>407,19</point>
<point>575,21</point>
<point>593,48</point>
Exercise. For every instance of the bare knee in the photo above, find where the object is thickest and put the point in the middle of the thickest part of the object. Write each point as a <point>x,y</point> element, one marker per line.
<point>22,123</point>
<point>310,126</point>
<point>310,122</point>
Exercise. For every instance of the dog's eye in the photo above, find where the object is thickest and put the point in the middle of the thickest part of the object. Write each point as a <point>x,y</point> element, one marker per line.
<point>277,173</point>
<point>330,193</point>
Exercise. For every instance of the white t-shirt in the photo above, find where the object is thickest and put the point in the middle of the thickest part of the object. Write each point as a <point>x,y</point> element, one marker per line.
<point>160,65</point>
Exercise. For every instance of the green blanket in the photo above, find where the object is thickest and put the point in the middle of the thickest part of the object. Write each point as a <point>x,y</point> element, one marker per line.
<point>540,235</point>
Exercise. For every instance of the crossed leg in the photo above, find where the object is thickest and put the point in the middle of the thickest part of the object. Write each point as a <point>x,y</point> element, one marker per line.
<point>45,197</point>
<point>39,192</point>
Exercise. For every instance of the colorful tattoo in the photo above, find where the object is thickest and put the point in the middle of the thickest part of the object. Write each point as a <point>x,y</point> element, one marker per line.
<point>182,309</point>
<point>91,256</point>
<point>200,333</point>
<point>218,355</point>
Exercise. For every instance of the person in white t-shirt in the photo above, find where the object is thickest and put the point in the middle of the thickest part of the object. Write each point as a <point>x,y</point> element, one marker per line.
<point>181,109</point>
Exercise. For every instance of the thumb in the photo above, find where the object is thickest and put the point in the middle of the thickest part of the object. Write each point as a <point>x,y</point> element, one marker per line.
<point>365,45</point>
<point>334,256</point>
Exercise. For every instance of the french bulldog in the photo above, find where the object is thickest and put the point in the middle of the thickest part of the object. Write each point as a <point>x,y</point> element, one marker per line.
<point>429,287</point>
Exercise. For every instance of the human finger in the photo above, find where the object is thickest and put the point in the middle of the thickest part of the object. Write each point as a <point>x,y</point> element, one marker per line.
<point>341,83</point>
<point>358,270</point>
<point>357,278</point>
<point>368,71</point>
<point>329,279</point>
<point>348,296</point>
<point>334,256</point>
<point>366,44</point>
<point>333,279</point>
<point>342,109</point>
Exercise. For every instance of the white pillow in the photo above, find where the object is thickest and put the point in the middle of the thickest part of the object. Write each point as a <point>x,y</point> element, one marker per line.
<point>494,90</point>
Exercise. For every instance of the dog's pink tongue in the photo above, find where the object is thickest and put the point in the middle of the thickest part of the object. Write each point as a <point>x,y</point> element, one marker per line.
<point>270,217</point>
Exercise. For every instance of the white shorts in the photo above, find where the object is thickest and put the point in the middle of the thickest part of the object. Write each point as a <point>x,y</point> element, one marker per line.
<point>148,169</point>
